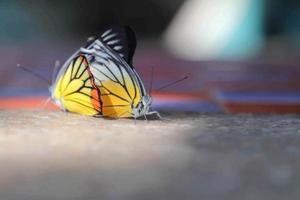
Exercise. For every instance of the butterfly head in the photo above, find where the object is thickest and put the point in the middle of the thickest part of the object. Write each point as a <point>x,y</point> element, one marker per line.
<point>142,107</point>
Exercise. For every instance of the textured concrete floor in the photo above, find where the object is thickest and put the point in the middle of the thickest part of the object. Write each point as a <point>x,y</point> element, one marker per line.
<point>54,155</point>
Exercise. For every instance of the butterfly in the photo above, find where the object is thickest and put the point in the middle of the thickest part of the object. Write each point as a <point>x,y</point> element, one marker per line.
<point>100,80</point>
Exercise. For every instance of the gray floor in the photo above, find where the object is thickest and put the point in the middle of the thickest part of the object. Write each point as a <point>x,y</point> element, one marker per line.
<point>55,155</point>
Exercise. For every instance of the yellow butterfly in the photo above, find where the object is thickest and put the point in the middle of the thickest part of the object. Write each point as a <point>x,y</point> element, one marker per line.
<point>99,79</point>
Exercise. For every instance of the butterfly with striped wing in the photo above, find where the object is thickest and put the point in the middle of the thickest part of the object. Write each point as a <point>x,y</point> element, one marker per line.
<point>99,79</point>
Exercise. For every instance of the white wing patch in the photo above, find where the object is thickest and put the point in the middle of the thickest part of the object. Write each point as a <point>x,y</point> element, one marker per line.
<point>117,48</point>
<point>106,33</point>
<point>116,71</point>
<point>113,42</point>
<point>109,37</point>
<point>107,65</point>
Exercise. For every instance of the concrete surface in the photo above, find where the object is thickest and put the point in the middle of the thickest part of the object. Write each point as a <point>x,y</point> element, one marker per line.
<point>54,155</point>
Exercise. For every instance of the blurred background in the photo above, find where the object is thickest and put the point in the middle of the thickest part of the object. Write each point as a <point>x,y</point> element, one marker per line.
<point>240,55</point>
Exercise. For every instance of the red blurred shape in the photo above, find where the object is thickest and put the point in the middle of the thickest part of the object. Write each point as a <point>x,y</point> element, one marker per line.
<point>26,102</point>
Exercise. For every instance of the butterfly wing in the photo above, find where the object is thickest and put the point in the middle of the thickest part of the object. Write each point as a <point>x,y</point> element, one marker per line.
<point>100,79</point>
<point>121,40</point>
<point>75,89</point>
<point>120,87</point>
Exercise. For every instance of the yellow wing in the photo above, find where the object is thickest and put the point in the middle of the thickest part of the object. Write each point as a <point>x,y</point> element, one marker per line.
<point>120,89</point>
<point>75,89</point>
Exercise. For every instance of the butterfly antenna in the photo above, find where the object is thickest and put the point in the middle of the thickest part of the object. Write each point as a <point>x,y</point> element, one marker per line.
<point>151,82</point>
<point>54,73</point>
<point>34,73</point>
<point>172,83</point>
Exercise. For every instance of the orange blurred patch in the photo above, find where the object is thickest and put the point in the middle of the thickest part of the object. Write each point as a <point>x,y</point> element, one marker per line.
<point>26,102</point>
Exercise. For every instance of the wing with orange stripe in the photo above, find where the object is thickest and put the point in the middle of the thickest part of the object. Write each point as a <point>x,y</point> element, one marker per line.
<point>75,89</point>
<point>120,87</point>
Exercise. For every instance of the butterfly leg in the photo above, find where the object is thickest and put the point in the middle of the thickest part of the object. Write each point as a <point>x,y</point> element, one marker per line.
<point>145,117</point>
<point>157,115</point>
<point>44,103</point>
<point>134,119</point>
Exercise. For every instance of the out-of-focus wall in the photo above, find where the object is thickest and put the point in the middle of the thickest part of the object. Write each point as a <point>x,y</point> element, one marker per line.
<point>72,19</point>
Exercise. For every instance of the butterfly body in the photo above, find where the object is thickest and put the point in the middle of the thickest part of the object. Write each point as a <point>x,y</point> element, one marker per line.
<point>99,80</point>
